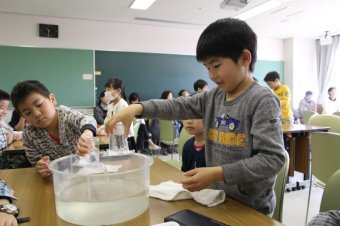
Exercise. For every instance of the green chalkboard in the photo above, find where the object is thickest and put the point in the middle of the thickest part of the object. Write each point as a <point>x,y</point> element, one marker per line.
<point>150,74</point>
<point>61,70</point>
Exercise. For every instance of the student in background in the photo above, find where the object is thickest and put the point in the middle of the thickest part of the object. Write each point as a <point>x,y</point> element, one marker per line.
<point>330,104</point>
<point>283,92</point>
<point>167,95</point>
<point>99,112</point>
<point>200,85</point>
<point>52,132</point>
<point>143,133</point>
<point>6,135</point>
<point>17,122</point>
<point>6,198</point>
<point>306,104</point>
<point>183,93</point>
<point>116,96</point>
<point>155,129</point>
<point>193,155</point>
<point>244,167</point>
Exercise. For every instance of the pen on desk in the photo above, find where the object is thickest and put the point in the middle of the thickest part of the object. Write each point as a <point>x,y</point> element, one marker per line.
<point>23,220</point>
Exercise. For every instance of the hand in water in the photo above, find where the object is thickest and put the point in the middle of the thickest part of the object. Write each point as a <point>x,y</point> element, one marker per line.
<point>91,144</point>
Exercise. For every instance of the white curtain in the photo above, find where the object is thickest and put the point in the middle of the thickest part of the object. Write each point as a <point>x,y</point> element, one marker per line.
<point>325,63</point>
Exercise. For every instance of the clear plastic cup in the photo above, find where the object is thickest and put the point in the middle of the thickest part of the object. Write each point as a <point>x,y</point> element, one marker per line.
<point>94,150</point>
<point>118,142</point>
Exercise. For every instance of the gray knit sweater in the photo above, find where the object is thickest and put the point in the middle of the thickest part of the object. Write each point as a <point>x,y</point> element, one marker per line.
<point>244,136</point>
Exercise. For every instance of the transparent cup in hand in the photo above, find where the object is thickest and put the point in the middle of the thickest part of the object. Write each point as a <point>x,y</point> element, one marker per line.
<point>94,149</point>
<point>118,142</point>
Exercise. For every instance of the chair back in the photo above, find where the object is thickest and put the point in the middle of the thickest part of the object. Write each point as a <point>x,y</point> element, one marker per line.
<point>279,189</point>
<point>331,121</point>
<point>167,133</point>
<point>325,154</point>
<point>306,115</point>
<point>331,195</point>
<point>337,113</point>
<point>183,137</point>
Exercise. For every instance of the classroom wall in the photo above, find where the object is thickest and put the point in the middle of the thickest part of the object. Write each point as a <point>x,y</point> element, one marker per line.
<point>22,30</point>
<point>300,68</point>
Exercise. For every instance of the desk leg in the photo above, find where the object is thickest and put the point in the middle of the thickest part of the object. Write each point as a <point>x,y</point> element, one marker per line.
<point>302,155</point>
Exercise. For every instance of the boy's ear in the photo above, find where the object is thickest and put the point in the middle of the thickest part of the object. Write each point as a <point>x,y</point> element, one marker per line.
<point>53,99</point>
<point>246,57</point>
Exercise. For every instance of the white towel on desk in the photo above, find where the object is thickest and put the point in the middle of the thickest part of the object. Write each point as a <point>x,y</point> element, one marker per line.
<point>171,191</point>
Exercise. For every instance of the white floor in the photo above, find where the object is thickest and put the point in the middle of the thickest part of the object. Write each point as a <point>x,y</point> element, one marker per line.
<point>295,205</point>
<point>295,202</point>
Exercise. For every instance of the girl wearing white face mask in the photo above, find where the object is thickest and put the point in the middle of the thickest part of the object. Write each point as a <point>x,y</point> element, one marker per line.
<point>115,93</point>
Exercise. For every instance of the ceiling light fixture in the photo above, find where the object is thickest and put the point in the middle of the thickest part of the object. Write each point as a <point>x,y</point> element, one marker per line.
<point>142,4</point>
<point>270,4</point>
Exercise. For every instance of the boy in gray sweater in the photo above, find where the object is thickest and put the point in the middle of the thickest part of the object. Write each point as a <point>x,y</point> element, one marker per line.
<point>243,133</point>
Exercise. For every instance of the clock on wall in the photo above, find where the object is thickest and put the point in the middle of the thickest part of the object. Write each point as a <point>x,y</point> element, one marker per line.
<point>49,30</point>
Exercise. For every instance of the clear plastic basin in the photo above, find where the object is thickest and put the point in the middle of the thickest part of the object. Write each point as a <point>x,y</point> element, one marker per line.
<point>101,198</point>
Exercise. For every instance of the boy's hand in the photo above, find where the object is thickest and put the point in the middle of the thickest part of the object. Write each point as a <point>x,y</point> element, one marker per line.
<point>201,178</point>
<point>83,146</point>
<point>125,116</point>
<point>42,166</point>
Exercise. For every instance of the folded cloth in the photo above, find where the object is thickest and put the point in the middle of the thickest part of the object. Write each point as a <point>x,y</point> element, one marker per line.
<point>171,191</point>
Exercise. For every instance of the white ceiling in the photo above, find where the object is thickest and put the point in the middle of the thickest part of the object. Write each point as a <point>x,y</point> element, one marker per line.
<point>295,18</point>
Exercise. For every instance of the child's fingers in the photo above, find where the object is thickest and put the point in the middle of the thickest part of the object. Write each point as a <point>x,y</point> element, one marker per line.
<point>190,173</point>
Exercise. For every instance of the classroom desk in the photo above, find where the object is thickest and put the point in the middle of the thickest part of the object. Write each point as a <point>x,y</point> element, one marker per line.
<point>297,142</point>
<point>36,200</point>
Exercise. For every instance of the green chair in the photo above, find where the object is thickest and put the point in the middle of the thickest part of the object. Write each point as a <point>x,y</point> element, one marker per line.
<point>279,189</point>
<point>337,113</point>
<point>306,115</point>
<point>325,148</point>
<point>331,121</point>
<point>167,134</point>
<point>183,137</point>
<point>331,195</point>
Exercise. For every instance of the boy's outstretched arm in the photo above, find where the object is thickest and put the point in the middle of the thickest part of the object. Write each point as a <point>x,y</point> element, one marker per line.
<point>125,116</point>
<point>201,178</point>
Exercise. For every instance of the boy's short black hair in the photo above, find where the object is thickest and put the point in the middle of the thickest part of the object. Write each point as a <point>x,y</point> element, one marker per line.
<point>199,84</point>
<point>227,38</point>
<point>271,76</point>
<point>181,92</point>
<point>165,94</point>
<point>134,97</point>
<point>308,93</point>
<point>23,89</point>
<point>4,95</point>
<point>330,89</point>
